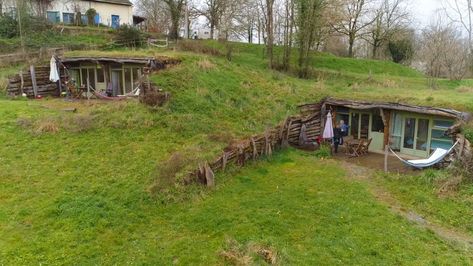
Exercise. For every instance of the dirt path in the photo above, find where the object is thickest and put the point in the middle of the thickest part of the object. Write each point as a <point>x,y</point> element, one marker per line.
<point>363,174</point>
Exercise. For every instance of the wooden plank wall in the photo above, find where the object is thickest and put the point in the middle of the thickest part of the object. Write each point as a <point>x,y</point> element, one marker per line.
<point>286,133</point>
<point>24,83</point>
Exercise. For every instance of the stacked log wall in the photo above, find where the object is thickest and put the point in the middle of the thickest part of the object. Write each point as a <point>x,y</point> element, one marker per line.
<point>44,86</point>
<point>284,134</point>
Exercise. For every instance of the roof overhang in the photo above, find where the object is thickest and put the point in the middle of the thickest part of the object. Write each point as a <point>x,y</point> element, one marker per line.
<point>115,2</point>
<point>140,60</point>
<point>364,105</point>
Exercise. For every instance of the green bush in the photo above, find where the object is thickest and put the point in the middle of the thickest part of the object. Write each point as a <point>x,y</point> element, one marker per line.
<point>468,132</point>
<point>325,151</point>
<point>129,36</point>
<point>91,13</point>
<point>8,27</point>
<point>401,50</point>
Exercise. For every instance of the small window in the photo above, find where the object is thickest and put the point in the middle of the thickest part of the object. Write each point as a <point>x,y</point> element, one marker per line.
<point>84,20</point>
<point>438,137</point>
<point>68,18</point>
<point>53,16</point>
<point>378,124</point>
<point>443,123</point>
<point>100,75</point>
<point>342,110</point>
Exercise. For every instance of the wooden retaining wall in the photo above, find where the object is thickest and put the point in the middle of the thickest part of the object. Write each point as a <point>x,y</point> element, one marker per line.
<point>286,133</point>
<point>34,81</point>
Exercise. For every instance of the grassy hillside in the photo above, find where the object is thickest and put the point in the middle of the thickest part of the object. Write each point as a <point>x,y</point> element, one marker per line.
<point>75,186</point>
<point>69,37</point>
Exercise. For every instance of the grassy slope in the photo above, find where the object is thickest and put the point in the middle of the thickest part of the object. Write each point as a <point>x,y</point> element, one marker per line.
<point>81,196</point>
<point>421,193</point>
<point>79,38</point>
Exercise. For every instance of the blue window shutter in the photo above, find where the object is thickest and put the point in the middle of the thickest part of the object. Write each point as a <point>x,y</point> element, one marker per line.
<point>97,19</point>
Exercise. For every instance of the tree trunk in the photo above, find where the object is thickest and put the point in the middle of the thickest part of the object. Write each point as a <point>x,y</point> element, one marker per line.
<point>174,34</point>
<point>269,30</point>
<point>212,28</point>
<point>351,42</point>
<point>375,51</point>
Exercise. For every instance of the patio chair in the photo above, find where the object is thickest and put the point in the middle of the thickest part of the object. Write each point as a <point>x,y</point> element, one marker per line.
<point>365,146</point>
<point>354,150</point>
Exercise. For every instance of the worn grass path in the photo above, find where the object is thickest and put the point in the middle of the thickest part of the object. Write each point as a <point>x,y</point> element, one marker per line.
<point>365,175</point>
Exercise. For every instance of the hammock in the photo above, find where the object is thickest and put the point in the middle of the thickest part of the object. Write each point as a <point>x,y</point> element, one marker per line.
<point>437,156</point>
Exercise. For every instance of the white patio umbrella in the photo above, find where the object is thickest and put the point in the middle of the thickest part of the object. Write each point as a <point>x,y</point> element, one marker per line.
<point>328,129</point>
<point>53,75</point>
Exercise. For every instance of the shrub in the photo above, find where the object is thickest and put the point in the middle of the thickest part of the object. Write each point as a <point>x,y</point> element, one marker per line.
<point>8,27</point>
<point>129,36</point>
<point>401,50</point>
<point>468,133</point>
<point>325,151</point>
<point>169,172</point>
<point>91,13</point>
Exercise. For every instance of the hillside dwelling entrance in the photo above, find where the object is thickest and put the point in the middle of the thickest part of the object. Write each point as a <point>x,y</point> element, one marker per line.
<point>115,77</point>
<point>410,130</point>
<point>103,76</point>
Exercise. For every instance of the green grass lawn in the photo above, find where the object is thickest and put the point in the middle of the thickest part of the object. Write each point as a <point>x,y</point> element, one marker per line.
<point>296,205</point>
<point>80,195</point>
<point>422,193</point>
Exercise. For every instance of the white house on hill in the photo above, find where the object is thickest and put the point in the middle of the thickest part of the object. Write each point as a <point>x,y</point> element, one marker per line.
<point>112,13</point>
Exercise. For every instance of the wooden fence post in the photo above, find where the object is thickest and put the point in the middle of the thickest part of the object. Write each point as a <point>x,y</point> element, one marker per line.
<point>22,85</point>
<point>386,158</point>
<point>33,81</point>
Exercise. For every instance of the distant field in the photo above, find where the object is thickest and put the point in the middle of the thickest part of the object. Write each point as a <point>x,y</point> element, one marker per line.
<point>75,186</point>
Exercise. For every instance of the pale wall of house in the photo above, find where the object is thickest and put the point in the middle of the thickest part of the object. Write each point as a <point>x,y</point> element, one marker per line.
<point>105,10</point>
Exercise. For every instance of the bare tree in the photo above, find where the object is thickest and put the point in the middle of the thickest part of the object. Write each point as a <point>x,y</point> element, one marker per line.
<point>461,12</point>
<point>391,17</point>
<point>288,32</point>
<point>156,13</point>
<point>269,31</point>
<point>354,21</point>
<point>309,14</point>
<point>444,52</point>
<point>175,8</point>
<point>212,10</point>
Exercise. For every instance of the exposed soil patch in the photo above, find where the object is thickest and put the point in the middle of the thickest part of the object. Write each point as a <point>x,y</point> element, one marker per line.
<point>364,174</point>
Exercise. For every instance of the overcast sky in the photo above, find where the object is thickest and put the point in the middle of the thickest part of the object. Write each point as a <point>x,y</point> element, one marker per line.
<point>424,10</point>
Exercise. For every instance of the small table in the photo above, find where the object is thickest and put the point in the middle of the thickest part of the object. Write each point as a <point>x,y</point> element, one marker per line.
<point>352,147</point>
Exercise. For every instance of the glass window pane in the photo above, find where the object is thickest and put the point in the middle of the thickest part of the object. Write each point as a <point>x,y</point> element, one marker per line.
<point>343,117</point>
<point>443,123</point>
<point>341,109</point>
<point>68,18</point>
<point>365,124</point>
<point>378,124</point>
<point>84,20</point>
<point>92,77</point>
<point>439,134</point>
<point>355,117</point>
<point>83,76</point>
<point>74,76</point>
<point>100,75</point>
<point>409,131</point>
<point>128,81</point>
<point>422,134</point>
<point>53,16</point>
<point>440,144</point>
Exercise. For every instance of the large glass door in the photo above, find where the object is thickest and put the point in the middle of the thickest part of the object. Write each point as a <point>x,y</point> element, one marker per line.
<point>360,125</point>
<point>415,137</point>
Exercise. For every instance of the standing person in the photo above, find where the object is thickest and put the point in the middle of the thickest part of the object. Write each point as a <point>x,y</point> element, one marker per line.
<point>343,128</point>
<point>337,138</point>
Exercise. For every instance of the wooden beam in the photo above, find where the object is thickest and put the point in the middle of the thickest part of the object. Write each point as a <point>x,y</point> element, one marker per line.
<point>22,82</point>
<point>33,81</point>
<point>386,114</point>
